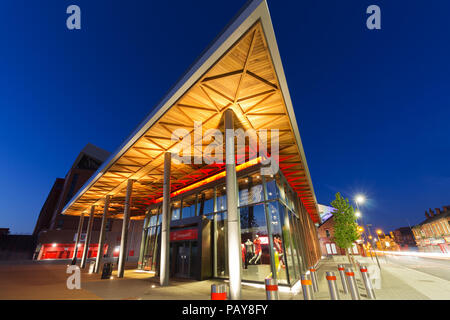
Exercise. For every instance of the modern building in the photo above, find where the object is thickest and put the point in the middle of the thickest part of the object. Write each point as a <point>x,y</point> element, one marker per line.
<point>225,211</point>
<point>56,233</point>
<point>328,244</point>
<point>404,238</point>
<point>433,234</point>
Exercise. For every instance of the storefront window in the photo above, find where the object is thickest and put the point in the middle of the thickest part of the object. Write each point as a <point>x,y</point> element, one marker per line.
<point>188,208</point>
<point>176,210</point>
<point>220,249</point>
<point>221,198</point>
<point>278,242</point>
<point>291,247</point>
<point>297,239</point>
<point>254,243</point>
<point>153,220</point>
<point>205,203</point>
<point>275,188</point>
<point>150,252</point>
<point>250,190</point>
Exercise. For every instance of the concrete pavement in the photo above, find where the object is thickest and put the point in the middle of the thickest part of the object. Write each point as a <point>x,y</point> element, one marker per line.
<point>436,267</point>
<point>47,280</point>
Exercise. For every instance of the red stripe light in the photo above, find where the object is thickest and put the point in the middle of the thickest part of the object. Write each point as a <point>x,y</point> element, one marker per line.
<point>213,178</point>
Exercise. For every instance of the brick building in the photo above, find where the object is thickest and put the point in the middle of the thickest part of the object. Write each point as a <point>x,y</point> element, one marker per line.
<point>327,244</point>
<point>404,238</point>
<point>56,233</point>
<point>433,234</point>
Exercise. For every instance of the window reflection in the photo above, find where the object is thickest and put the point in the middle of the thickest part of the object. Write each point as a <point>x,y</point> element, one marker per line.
<point>150,245</point>
<point>276,213</point>
<point>221,198</point>
<point>250,190</point>
<point>205,204</point>
<point>221,246</point>
<point>254,243</point>
<point>176,210</point>
<point>188,209</point>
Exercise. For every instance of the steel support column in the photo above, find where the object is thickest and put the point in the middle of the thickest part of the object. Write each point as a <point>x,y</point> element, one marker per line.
<point>125,222</point>
<point>165,226</point>
<point>233,221</point>
<point>77,242</point>
<point>101,238</point>
<point>88,239</point>
<point>143,240</point>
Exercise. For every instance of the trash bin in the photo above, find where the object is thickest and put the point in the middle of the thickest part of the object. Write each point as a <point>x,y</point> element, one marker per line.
<point>91,267</point>
<point>107,270</point>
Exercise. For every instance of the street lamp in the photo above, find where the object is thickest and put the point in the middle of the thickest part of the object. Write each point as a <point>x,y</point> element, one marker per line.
<point>360,199</point>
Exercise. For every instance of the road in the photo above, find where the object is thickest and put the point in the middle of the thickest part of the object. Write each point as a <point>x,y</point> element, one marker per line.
<point>435,267</point>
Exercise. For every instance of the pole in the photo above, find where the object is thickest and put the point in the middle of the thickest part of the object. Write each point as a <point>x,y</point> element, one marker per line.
<point>77,242</point>
<point>88,239</point>
<point>219,292</point>
<point>233,221</point>
<point>334,294</point>
<point>269,230</point>
<point>343,280</point>
<point>367,227</point>
<point>306,287</point>
<point>101,238</point>
<point>165,225</point>
<point>367,282</point>
<point>143,240</point>
<point>352,284</point>
<point>271,289</point>
<point>124,238</point>
<point>315,284</point>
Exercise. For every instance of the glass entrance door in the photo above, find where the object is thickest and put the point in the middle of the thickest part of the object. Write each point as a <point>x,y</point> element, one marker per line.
<point>183,259</point>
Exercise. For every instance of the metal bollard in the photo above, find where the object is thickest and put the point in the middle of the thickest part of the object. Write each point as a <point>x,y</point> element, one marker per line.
<point>334,294</point>
<point>343,280</point>
<point>352,284</point>
<point>315,284</point>
<point>219,292</point>
<point>367,282</point>
<point>306,287</point>
<point>272,289</point>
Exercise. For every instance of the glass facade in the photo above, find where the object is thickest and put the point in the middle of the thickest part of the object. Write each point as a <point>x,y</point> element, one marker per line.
<point>151,240</point>
<point>278,238</point>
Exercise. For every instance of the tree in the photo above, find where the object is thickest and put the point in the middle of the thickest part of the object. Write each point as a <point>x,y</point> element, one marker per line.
<point>345,227</point>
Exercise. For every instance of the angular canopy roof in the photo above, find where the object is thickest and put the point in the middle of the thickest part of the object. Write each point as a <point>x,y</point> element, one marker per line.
<point>241,70</point>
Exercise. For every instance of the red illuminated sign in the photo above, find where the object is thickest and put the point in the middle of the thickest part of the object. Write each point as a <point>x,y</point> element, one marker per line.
<point>189,234</point>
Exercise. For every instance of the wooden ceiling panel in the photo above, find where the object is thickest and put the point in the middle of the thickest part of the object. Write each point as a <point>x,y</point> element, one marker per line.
<point>244,79</point>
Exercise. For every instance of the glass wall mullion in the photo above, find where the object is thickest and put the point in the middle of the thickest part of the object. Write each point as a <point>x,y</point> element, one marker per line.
<point>269,230</point>
<point>215,233</point>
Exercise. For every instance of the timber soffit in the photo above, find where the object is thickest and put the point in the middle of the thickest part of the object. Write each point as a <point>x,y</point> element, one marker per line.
<point>241,70</point>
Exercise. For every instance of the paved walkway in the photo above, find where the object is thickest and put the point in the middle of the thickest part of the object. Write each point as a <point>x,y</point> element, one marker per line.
<point>47,280</point>
<point>397,282</point>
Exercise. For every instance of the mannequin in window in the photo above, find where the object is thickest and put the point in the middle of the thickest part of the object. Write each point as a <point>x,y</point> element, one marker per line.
<point>257,256</point>
<point>249,252</point>
<point>278,246</point>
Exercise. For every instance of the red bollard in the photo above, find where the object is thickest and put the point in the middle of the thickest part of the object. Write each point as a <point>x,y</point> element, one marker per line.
<point>271,289</point>
<point>315,283</point>
<point>218,292</point>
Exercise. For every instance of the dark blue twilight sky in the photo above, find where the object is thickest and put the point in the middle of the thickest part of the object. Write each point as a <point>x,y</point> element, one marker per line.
<point>373,106</point>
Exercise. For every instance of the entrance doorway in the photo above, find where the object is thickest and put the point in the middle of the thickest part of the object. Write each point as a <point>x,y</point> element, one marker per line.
<point>185,253</point>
